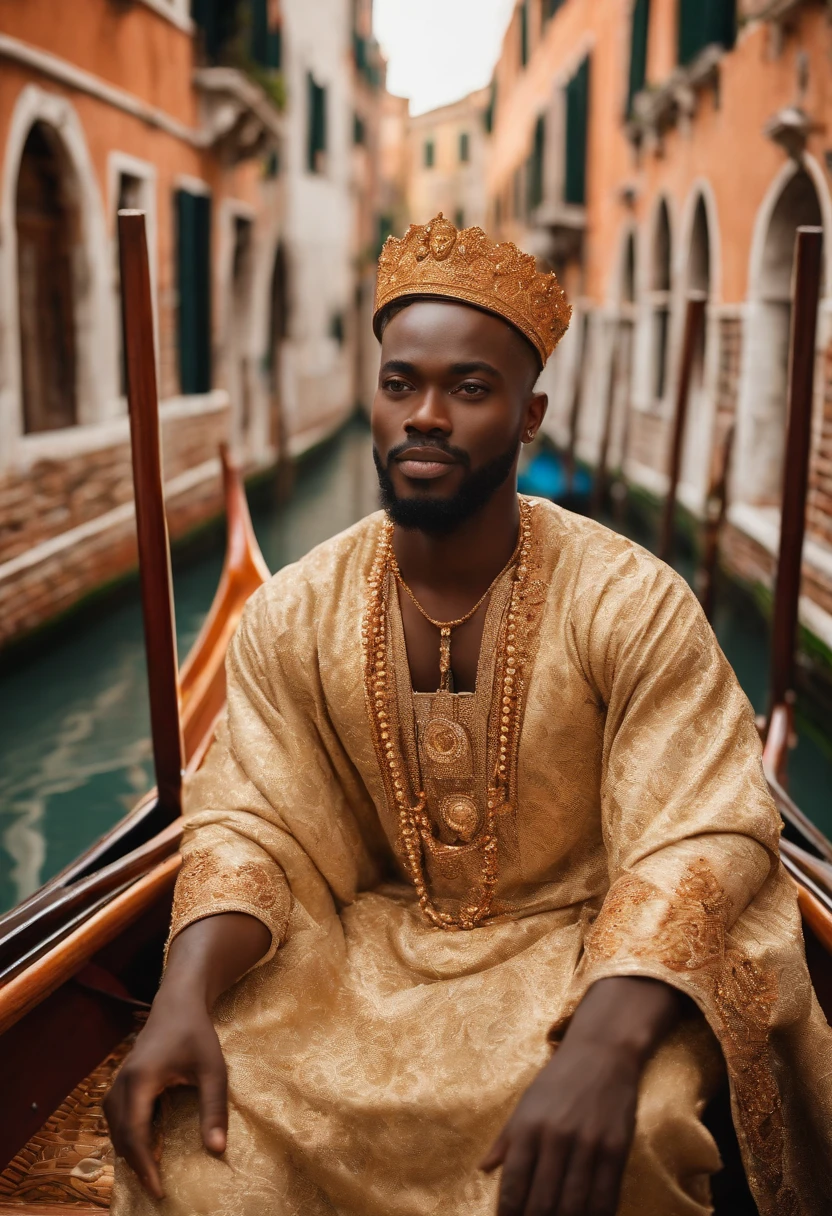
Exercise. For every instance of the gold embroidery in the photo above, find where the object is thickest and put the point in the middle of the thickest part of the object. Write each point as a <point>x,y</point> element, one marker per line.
<point>445,741</point>
<point>460,815</point>
<point>738,995</point>
<point>206,881</point>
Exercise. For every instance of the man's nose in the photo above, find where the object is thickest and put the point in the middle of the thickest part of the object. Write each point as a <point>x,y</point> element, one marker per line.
<point>430,414</point>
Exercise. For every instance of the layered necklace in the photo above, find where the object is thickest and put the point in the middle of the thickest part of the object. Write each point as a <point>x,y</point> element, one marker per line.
<point>416,832</point>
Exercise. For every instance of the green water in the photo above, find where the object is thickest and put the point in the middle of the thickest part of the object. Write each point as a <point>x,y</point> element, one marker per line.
<point>74,747</point>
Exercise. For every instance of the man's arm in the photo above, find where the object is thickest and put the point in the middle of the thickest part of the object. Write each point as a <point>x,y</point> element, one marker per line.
<point>179,1045</point>
<point>564,1149</point>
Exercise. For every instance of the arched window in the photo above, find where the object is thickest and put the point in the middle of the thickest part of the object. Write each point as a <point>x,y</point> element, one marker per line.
<point>699,278</point>
<point>660,300</point>
<point>278,333</point>
<point>240,370</point>
<point>771,326</point>
<point>48,230</point>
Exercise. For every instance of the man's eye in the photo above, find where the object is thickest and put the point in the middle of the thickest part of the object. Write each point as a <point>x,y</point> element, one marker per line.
<point>395,386</point>
<point>471,389</point>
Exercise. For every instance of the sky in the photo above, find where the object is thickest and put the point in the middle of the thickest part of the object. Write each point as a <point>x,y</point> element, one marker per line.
<point>439,50</point>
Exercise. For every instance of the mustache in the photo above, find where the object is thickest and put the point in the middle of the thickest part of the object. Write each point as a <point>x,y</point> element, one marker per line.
<point>425,441</point>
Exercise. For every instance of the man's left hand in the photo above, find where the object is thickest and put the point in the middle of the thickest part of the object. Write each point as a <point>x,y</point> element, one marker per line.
<point>564,1149</point>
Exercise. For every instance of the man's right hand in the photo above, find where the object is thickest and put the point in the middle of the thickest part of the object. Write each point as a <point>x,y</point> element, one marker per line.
<point>179,1045</point>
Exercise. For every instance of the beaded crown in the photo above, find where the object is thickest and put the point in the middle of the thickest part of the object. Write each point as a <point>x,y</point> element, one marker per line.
<point>437,259</point>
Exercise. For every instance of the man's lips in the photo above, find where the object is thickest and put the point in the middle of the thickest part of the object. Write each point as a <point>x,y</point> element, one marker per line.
<point>425,464</point>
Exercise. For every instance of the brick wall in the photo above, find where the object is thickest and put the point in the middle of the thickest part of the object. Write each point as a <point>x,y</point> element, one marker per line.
<point>649,438</point>
<point>40,504</point>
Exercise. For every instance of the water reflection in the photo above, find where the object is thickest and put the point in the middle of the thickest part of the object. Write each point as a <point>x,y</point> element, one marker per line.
<point>74,746</point>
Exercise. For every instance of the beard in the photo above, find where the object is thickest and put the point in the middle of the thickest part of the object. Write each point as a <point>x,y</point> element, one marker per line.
<point>442,516</point>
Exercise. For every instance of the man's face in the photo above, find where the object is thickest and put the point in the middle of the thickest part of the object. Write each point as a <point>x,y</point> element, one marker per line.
<point>455,397</point>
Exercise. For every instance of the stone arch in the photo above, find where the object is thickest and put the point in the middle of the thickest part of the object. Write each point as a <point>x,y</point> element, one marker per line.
<point>765,372</point>
<point>698,275</point>
<point>58,132</point>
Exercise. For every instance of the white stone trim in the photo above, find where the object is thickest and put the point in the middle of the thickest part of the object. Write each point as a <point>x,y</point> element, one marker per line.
<point>97,385</point>
<point>762,524</point>
<point>174,11</point>
<point>123,514</point>
<point>73,77</point>
<point>81,440</point>
<point>701,188</point>
<point>191,185</point>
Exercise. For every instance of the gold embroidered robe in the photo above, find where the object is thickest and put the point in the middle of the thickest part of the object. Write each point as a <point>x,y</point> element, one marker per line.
<point>372,1059</point>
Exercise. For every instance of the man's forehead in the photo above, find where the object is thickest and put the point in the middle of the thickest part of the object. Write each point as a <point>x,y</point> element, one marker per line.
<point>431,325</point>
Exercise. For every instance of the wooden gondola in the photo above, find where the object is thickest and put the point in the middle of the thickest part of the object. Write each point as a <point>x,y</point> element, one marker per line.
<point>80,960</point>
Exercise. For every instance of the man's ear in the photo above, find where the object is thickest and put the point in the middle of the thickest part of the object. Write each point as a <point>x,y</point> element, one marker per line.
<point>535,413</point>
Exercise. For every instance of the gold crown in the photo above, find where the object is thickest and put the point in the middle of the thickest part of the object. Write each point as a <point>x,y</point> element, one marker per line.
<point>438,260</point>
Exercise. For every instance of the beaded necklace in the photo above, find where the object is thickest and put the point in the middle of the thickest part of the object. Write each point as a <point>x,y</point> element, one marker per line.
<point>416,834</point>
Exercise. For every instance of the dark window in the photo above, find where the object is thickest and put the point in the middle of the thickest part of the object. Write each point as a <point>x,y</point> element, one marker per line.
<point>517,193</point>
<point>638,50</point>
<point>430,153</point>
<point>548,8</point>
<point>272,166</point>
<point>577,127</point>
<point>129,199</point>
<point>459,217</point>
<point>524,33</point>
<point>316,150</point>
<point>385,229</point>
<point>193,214</point>
<point>704,23</point>
<point>265,40</point>
<point>491,109</point>
<point>464,146</point>
<point>536,163</point>
<point>48,227</point>
<point>359,131</point>
<point>336,328</point>
<point>217,22</point>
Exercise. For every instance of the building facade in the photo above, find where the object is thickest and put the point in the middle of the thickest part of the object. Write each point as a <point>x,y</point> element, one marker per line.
<point>647,149</point>
<point>446,161</point>
<point>232,127</point>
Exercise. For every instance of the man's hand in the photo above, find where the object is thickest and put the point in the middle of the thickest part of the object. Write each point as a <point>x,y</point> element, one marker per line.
<point>564,1149</point>
<point>179,1045</point>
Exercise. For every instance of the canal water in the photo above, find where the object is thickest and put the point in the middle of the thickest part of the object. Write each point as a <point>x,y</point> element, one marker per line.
<point>74,747</point>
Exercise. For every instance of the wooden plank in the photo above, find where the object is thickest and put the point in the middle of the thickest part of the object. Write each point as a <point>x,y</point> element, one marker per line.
<point>694,319</point>
<point>796,464</point>
<point>22,993</point>
<point>151,524</point>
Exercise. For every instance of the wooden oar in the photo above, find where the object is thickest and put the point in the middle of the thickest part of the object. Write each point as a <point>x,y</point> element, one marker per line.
<point>151,524</point>
<point>694,319</point>
<point>716,508</point>
<point>807,280</point>
<point>575,410</point>
<point>600,486</point>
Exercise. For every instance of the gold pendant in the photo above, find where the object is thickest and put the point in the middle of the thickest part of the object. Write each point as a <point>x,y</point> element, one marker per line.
<point>445,660</point>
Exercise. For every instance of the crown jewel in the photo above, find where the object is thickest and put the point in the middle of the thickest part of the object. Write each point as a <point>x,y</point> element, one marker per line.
<point>436,259</point>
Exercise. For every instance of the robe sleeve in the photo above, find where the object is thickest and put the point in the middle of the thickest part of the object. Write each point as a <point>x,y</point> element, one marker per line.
<point>697,895</point>
<point>268,824</point>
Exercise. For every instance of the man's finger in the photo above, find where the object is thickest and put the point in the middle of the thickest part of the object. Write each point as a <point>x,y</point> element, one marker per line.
<point>496,1154</point>
<point>606,1182</point>
<point>213,1105</point>
<point>518,1169</point>
<point>134,1139</point>
<point>577,1180</point>
<point>545,1190</point>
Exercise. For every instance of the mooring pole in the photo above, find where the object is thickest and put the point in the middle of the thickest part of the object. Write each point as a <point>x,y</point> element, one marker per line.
<point>694,318</point>
<point>151,523</point>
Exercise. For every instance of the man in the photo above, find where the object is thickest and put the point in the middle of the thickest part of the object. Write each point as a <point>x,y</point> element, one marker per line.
<point>486,786</point>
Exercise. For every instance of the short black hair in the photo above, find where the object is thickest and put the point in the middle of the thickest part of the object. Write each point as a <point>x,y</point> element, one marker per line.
<point>391,310</point>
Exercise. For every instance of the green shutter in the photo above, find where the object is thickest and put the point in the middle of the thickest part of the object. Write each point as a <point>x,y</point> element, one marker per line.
<point>577,130</point>
<point>536,163</point>
<point>317,123</point>
<point>638,50</point>
<point>464,147</point>
<point>704,23</point>
<point>548,8</point>
<point>193,213</point>
<point>524,33</point>
<point>429,153</point>
<point>491,110</point>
